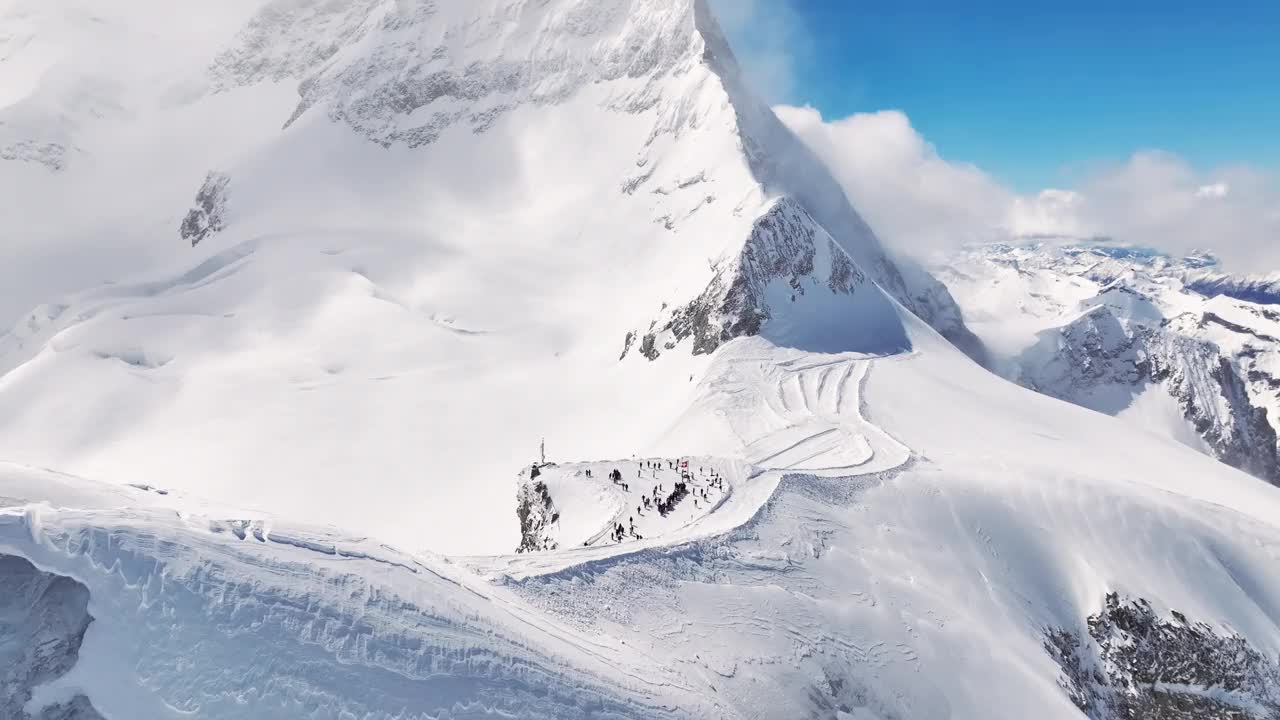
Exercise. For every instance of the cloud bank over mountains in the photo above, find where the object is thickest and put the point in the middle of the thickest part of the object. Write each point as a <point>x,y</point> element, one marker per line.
<point>921,203</point>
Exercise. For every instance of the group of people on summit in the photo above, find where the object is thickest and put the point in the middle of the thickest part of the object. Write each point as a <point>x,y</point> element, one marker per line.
<point>662,499</point>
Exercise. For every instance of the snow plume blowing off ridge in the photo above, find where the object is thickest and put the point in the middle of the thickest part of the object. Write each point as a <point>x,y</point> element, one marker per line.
<point>414,239</point>
<point>924,204</point>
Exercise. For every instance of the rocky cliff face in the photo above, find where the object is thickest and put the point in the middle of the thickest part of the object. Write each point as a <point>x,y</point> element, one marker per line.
<point>49,154</point>
<point>536,511</point>
<point>1103,324</point>
<point>43,619</point>
<point>1132,663</point>
<point>1100,353</point>
<point>1262,290</point>
<point>786,247</point>
<point>424,67</point>
<point>206,217</point>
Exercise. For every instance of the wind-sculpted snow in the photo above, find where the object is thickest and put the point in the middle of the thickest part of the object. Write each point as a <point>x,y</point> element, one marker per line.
<point>282,629</point>
<point>790,412</point>
<point>43,619</point>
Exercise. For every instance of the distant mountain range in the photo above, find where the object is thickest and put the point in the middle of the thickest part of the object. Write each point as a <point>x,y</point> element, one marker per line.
<point>1175,344</point>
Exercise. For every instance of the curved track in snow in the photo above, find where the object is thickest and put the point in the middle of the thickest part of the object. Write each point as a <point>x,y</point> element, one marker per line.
<point>824,430</point>
<point>783,412</point>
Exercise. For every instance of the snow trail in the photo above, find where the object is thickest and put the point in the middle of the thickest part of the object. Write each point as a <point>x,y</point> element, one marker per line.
<point>758,399</point>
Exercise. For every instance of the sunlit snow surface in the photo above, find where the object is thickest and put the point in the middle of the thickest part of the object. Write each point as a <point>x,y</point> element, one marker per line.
<point>406,301</point>
<point>880,592</point>
<point>384,333</point>
<point>1137,334</point>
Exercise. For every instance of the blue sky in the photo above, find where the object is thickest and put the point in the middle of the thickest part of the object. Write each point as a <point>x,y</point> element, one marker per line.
<point>1034,93</point>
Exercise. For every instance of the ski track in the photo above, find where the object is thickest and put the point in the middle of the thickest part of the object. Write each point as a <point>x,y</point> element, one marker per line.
<point>821,432</point>
<point>810,405</point>
<point>819,429</point>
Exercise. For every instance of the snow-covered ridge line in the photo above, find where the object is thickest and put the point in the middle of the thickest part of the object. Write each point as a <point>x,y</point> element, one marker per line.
<point>1129,331</point>
<point>128,549</point>
<point>143,562</point>
<point>464,651</point>
<point>880,583</point>
<point>787,253</point>
<point>783,414</point>
<point>405,73</point>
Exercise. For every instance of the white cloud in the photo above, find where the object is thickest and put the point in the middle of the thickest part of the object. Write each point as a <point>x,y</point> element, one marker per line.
<point>1215,190</point>
<point>905,190</point>
<point>921,203</point>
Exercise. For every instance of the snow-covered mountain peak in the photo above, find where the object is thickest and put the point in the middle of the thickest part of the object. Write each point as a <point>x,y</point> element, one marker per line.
<point>405,72</point>
<point>552,211</point>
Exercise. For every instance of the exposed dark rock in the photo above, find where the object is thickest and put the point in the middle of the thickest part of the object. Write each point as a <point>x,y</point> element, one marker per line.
<point>648,346</point>
<point>49,154</point>
<point>43,619</point>
<point>1099,350</point>
<point>783,246</point>
<point>626,344</point>
<point>1213,319</point>
<point>536,511</point>
<point>78,708</point>
<point>206,218</point>
<point>1131,663</point>
<point>1264,291</point>
<point>384,91</point>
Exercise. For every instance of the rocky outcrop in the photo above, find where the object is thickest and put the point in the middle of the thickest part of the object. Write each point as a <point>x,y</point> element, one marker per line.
<point>1132,663</point>
<point>1264,290</point>
<point>1101,351</point>
<point>407,73</point>
<point>412,78</point>
<point>43,619</point>
<point>786,247</point>
<point>49,154</point>
<point>929,298</point>
<point>207,216</point>
<point>536,512</point>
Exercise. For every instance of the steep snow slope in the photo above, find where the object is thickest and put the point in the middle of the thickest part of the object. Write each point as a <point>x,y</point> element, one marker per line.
<point>1114,328</point>
<point>424,238</point>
